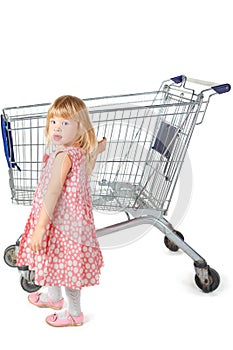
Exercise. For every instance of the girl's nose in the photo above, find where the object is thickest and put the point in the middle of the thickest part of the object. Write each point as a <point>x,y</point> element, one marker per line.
<point>57,127</point>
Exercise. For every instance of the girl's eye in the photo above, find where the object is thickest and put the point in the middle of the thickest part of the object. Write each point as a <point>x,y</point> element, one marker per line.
<point>52,122</point>
<point>65,123</point>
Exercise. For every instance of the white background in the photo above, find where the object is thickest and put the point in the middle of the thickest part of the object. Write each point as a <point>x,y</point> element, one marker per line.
<point>147,297</point>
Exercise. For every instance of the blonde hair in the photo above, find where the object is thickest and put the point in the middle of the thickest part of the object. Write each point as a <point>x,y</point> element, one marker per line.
<point>71,107</point>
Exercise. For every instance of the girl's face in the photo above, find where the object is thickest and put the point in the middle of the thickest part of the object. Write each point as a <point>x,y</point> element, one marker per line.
<point>63,132</point>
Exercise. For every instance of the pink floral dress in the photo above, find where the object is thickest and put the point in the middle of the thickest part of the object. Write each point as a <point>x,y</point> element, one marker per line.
<point>70,254</point>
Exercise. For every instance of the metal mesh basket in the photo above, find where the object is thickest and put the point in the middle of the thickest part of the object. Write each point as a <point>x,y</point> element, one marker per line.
<point>148,135</point>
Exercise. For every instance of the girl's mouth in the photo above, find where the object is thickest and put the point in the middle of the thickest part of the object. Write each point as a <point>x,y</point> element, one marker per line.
<point>57,138</point>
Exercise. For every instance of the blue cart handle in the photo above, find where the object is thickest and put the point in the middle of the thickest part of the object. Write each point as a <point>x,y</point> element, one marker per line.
<point>218,88</point>
<point>221,89</point>
<point>178,79</point>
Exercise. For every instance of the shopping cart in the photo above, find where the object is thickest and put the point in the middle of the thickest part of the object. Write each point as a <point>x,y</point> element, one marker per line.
<point>148,136</point>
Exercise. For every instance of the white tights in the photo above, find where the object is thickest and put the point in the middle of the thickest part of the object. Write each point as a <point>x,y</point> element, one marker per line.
<point>73,297</point>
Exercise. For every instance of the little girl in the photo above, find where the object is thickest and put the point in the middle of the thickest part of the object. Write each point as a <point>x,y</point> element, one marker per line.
<point>59,241</point>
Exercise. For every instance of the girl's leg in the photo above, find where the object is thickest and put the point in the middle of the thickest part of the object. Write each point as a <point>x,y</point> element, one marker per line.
<point>73,296</point>
<point>54,293</point>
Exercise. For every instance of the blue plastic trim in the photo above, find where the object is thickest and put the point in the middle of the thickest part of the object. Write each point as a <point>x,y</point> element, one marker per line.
<point>165,139</point>
<point>178,79</point>
<point>221,89</point>
<point>5,142</point>
<point>8,144</point>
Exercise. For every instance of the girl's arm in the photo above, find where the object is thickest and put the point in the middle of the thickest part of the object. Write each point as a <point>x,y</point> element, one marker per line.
<point>61,167</point>
<point>90,164</point>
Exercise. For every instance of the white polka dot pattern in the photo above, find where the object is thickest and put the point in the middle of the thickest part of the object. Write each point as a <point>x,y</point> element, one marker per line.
<point>71,255</point>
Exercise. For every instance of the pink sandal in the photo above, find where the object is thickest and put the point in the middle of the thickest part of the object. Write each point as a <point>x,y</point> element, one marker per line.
<point>34,298</point>
<point>54,321</point>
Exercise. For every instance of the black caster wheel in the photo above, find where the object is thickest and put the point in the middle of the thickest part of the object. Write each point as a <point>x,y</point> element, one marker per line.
<point>28,286</point>
<point>170,245</point>
<point>10,256</point>
<point>211,283</point>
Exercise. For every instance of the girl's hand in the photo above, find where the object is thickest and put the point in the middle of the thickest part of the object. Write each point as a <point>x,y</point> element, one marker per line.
<point>90,164</point>
<point>102,145</point>
<point>37,238</point>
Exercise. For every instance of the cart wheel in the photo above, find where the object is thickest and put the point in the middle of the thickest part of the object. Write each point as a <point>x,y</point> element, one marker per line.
<point>10,257</point>
<point>170,245</point>
<point>29,286</point>
<point>211,283</point>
